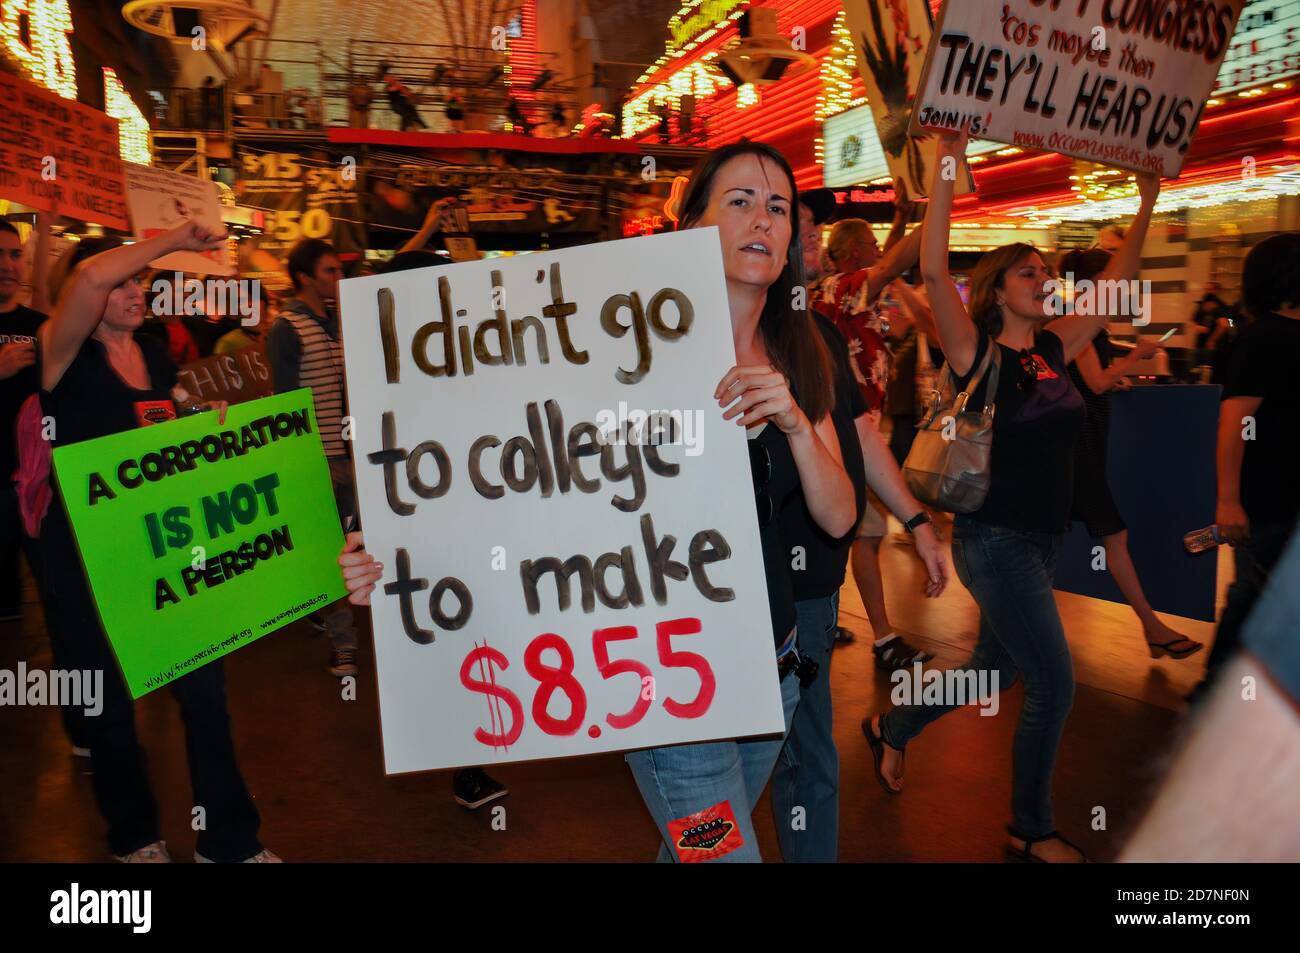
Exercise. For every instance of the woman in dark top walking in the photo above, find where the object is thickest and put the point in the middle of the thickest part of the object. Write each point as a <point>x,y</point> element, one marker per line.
<point>1095,373</point>
<point>1005,552</point>
<point>747,190</point>
<point>99,378</point>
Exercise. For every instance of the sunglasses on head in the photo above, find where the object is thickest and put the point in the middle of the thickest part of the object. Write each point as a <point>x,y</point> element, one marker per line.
<point>1029,372</point>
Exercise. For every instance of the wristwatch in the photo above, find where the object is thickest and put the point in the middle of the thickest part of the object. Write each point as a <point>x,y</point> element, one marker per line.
<point>920,519</point>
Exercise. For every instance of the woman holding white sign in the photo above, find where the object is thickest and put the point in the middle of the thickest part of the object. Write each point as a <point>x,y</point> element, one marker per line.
<point>702,795</point>
<point>1005,550</point>
<point>97,379</point>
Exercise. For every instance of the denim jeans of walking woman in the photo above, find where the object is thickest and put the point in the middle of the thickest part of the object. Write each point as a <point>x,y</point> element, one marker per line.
<point>1009,572</point>
<point>722,779</point>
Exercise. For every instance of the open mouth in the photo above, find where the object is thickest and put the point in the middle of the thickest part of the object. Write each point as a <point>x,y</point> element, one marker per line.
<point>757,248</point>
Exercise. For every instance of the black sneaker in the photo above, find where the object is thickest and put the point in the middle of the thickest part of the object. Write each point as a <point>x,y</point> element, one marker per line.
<point>898,654</point>
<point>343,662</point>
<point>842,635</point>
<point>473,787</point>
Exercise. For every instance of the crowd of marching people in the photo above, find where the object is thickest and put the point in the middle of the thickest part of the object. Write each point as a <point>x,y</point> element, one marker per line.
<point>842,396</point>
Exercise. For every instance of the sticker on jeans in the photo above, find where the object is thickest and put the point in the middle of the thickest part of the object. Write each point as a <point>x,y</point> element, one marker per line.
<point>706,835</point>
<point>154,411</point>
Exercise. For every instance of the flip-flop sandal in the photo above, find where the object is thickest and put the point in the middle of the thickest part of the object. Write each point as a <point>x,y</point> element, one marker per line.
<point>877,746</point>
<point>1158,649</point>
<point>1025,855</point>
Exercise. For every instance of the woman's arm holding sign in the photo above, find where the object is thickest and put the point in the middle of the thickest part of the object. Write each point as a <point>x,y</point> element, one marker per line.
<point>1077,330</point>
<point>957,335</point>
<point>764,394</point>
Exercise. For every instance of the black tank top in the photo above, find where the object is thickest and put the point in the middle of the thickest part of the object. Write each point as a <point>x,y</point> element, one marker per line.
<point>777,478</point>
<point>91,400</point>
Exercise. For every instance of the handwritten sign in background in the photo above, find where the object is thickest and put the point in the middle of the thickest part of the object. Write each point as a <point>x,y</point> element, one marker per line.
<point>1118,83</point>
<point>161,200</point>
<point>86,176</point>
<point>501,683</point>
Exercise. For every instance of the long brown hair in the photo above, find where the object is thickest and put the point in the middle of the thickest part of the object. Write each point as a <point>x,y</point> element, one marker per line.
<point>790,335</point>
<point>988,278</point>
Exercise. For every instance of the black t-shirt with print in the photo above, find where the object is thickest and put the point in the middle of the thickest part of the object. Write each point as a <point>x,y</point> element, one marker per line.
<point>824,557</point>
<point>16,326</point>
<point>1263,364</point>
<point>1035,428</point>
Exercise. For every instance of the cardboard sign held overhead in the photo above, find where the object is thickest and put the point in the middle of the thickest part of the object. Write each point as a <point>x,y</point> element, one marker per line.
<point>566,571</point>
<point>1122,84</point>
<point>55,151</point>
<point>891,37</point>
<point>161,200</point>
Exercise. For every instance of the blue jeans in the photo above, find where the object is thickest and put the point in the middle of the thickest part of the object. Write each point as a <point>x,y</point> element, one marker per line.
<point>678,781</point>
<point>807,774</point>
<point>1009,572</point>
<point>1271,632</point>
<point>119,775</point>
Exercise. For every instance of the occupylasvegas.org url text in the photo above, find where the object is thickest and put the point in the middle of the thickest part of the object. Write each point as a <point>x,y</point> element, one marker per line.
<point>294,610</point>
<point>181,667</point>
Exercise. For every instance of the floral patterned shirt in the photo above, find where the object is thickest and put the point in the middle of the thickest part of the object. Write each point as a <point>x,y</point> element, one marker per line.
<point>844,299</point>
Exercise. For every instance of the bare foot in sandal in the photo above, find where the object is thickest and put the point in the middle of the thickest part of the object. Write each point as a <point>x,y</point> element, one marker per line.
<point>1051,850</point>
<point>891,759</point>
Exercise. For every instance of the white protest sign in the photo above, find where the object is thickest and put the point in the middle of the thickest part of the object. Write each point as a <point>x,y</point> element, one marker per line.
<point>551,589</point>
<point>160,200</point>
<point>1119,83</point>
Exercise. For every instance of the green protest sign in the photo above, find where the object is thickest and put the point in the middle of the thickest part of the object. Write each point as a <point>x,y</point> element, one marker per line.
<point>199,537</point>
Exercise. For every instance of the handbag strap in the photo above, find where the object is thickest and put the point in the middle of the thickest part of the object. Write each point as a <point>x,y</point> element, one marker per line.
<point>992,365</point>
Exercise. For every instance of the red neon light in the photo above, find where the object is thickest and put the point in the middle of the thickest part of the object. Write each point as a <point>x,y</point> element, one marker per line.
<point>523,57</point>
<point>674,203</point>
<point>644,225</point>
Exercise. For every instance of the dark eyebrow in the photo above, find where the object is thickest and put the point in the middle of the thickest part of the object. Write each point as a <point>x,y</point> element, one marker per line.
<point>776,198</point>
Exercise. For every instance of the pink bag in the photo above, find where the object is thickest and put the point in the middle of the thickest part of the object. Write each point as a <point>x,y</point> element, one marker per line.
<point>32,478</point>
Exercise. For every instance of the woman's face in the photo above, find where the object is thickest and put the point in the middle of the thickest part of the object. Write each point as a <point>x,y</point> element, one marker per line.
<point>1025,290</point>
<point>750,203</point>
<point>125,308</point>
